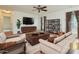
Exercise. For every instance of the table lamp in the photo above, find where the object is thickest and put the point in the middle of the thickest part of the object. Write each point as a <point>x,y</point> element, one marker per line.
<point>74,47</point>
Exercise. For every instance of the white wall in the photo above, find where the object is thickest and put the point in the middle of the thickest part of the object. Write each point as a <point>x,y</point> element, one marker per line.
<point>54,15</point>
<point>19,15</point>
<point>61,14</point>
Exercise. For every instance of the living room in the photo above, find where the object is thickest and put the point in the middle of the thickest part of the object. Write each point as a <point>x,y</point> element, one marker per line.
<point>13,23</point>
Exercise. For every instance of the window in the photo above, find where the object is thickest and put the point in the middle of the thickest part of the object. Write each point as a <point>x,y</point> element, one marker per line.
<point>7,23</point>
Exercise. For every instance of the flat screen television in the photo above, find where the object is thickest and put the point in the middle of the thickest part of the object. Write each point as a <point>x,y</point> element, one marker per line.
<point>28,21</point>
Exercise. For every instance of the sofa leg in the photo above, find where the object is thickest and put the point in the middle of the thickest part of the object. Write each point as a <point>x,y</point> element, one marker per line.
<point>42,52</point>
<point>24,47</point>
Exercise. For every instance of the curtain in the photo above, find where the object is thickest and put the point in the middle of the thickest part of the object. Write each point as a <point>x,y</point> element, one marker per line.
<point>77,16</point>
<point>45,18</point>
<point>68,19</point>
<point>73,23</point>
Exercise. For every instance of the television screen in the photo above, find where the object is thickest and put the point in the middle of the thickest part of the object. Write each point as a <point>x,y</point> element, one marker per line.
<point>28,20</point>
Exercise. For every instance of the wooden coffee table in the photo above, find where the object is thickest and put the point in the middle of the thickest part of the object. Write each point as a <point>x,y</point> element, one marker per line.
<point>33,38</point>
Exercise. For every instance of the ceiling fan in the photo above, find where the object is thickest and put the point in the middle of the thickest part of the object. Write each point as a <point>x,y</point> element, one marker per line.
<point>40,8</point>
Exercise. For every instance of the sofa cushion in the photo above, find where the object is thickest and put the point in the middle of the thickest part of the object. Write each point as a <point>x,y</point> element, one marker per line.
<point>8,33</point>
<point>66,43</point>
<point>51,45</point>
<point>58,39</point>
<point>48,50</point>
<point>16,39</point>
<point>3,36</point>
<point>32,49</point>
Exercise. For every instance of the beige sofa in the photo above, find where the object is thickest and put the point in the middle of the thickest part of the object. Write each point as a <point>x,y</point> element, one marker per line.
<point>32,49</point>
<point>18,39</point>
<point>61,44</point>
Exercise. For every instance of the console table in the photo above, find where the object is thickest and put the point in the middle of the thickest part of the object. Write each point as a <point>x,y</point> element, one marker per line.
<point>28,29</point>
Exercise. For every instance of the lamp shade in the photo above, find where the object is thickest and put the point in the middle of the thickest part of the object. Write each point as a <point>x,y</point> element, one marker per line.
<point>74,47</point>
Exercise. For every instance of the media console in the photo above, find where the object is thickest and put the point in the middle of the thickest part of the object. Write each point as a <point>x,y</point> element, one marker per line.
<point>27,29</point>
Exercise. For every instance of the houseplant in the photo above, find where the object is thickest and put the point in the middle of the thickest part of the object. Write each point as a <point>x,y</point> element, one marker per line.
<point>18,24</point>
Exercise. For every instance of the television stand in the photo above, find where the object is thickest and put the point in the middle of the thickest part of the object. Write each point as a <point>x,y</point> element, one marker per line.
<point>27,29</point>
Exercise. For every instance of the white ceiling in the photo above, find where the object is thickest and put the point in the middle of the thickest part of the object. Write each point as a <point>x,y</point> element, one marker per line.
<point>29,8</point>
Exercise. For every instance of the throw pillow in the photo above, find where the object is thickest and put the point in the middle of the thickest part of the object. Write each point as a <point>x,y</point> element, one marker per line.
<point>51,39</point>
<point>1,41</point>
<point>3,36</point>
<point>60,33</point>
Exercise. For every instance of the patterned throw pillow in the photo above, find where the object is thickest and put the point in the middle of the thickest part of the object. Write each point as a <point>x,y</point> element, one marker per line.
<point>2,36</point>
<point>0,40</point>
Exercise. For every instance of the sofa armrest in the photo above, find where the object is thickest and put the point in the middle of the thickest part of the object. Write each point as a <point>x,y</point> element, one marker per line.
<point>12,36</point>
<point>22,36</point>
<point>58,39</point>
<point>18,39</point>
<point>53,46</point>
<point>67,34</point>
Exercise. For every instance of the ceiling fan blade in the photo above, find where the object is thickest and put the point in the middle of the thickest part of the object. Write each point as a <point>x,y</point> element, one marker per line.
<point>34,7</point>
<point>44,10</point>
<point>44,7</point>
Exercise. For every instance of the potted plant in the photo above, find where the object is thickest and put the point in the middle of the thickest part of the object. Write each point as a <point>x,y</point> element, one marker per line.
<point>18,24</point>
